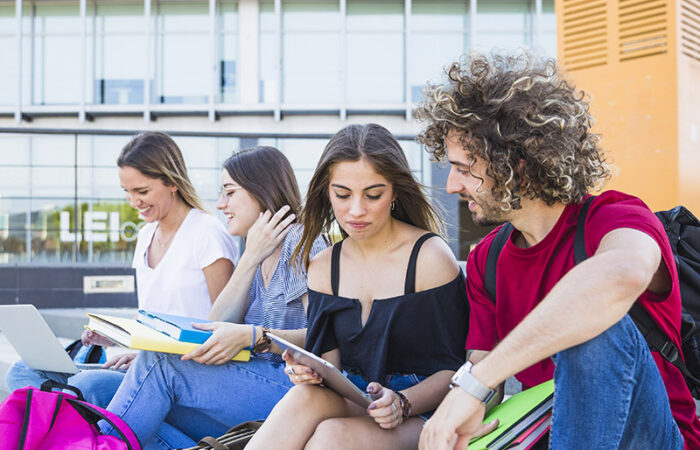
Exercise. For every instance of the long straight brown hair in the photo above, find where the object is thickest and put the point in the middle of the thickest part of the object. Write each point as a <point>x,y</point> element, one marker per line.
<point>156,155</point>
<point>266,174</point>
<point>377,146</point>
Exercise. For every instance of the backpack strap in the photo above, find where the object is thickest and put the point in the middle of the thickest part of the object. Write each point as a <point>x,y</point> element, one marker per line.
<point>410,284</point>
<point>656,339</point>
<point>335,267</point>
<point>492,259</point>
<point>580,253</point>
<point>94,414</point>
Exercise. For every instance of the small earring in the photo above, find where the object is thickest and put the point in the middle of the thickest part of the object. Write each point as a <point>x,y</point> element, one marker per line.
<point>393,205</point>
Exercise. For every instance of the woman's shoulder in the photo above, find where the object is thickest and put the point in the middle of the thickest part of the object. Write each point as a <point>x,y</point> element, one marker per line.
<point>436,264</point>
<point>319,272</point>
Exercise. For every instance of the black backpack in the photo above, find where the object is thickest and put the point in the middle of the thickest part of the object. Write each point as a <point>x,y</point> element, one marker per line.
<point>683,230</point>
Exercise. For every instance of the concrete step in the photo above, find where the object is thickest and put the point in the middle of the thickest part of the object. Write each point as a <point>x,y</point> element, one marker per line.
<point>70,322</point>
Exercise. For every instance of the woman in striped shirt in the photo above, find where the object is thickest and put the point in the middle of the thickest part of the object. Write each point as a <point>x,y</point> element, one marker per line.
<point>171,401</point>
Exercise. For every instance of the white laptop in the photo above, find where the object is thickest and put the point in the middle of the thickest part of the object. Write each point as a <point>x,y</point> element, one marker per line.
<point>34,341</point>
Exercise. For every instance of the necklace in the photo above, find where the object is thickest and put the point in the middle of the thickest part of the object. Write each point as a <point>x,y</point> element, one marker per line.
<point>163,244</point>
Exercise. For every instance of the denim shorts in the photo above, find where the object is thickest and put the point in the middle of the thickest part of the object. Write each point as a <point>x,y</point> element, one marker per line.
<point>395,382</point>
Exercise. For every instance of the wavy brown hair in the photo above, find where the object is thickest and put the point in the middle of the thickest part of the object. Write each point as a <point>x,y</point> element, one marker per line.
<point>377,146</point>
<point>156,155</point>
<point>530,125</point>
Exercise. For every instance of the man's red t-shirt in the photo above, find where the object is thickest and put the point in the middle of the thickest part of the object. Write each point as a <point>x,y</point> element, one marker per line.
<point>531,273</point>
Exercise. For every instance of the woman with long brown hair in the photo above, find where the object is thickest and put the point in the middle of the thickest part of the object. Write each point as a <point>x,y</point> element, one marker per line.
<point>172,401</point>
<point>387,304</point>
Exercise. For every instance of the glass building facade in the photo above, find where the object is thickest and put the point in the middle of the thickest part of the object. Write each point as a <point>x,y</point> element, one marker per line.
<point>79,77</point>
<point>62,203</point>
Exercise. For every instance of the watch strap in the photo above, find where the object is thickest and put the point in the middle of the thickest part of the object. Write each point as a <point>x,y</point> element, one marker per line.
<point>465,380</point>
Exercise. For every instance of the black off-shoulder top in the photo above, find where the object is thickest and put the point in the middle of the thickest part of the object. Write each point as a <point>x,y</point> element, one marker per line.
<point>415,333</point>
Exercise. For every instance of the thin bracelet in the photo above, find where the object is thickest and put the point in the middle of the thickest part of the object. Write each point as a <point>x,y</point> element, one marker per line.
<point>253,345</point>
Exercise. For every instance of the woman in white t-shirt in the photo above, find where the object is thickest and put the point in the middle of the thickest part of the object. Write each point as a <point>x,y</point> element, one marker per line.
<point>184,257</point>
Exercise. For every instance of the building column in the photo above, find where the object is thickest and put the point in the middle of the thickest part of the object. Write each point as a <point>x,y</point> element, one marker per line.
<point>247,66</point>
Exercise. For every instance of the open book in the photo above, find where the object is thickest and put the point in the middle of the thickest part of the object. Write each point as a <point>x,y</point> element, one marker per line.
<point>131,334</point>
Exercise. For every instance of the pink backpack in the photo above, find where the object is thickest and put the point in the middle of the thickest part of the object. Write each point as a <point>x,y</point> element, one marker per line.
<point>33,418</point>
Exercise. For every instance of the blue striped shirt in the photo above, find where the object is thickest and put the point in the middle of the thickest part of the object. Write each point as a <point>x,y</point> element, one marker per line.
<point>279,305</point>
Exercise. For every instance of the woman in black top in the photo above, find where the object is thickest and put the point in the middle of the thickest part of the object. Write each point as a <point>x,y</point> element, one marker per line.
<point>387,304</point>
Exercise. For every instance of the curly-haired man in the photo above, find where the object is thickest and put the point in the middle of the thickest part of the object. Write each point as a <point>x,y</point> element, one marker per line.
<point>517,136</point>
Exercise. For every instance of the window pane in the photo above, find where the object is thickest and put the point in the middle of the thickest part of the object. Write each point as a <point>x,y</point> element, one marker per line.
<point>181,17</point>
<point>50,150</point>
<point>99,182</point>
<point>375,68</point>
<point>299,15</point>
<point>108,229</point>
<point>57,69</point>
<point>14,149</point>
<point>503,24</point>
<point>53,182</point>
<point>312,68</point>
<point>13,244</point>
<point>8,56</point>
<point>206,181</point>
<point>549,29</point>
<point>228,66</point>
<point>14,181</point>
<point>430,53</point>
<point>184,68</point>
<point>364,15</point>
<point>55,17</point>
<point>439,15</point>
<point>53,230</point>
<point>100,150</point>
<point>119,69</point>
<point>118,18</point>
<point>267,71</point>
<point>228,15</point>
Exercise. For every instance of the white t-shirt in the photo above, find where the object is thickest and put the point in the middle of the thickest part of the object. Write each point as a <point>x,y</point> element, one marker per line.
<point>177,284</point>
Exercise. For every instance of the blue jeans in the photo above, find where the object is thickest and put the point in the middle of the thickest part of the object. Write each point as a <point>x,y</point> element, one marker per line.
<point>610,395</point>
<point>170,403</point>
<point>98,386</point>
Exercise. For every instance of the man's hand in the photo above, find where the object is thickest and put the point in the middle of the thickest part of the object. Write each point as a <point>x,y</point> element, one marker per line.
<point>457,420</point>
<point>226,341</point>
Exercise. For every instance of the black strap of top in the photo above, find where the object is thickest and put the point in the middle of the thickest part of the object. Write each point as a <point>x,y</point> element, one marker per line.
<point>410,286</point>
<point>335,267</point>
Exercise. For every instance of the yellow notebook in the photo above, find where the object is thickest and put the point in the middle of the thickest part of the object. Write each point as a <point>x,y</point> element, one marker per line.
<point>131,334</point>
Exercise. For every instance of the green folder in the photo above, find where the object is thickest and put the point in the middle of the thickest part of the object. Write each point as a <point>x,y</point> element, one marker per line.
<point>515,415</point>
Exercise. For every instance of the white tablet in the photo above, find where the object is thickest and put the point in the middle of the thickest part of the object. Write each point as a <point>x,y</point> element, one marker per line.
<point>332,377</point>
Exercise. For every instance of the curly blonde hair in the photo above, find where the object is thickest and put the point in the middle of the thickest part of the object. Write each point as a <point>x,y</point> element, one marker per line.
<point>530,125</point>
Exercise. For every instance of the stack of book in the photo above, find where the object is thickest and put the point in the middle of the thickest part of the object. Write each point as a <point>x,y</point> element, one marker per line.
<point>524,419</point>
<point>154,332</point>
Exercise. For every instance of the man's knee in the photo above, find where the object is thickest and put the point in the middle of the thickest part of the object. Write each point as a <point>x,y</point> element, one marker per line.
<point>616,344</point>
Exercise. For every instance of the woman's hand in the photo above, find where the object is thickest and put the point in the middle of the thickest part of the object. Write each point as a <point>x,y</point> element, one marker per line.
<point>89,337</point>
<point>386,409</point>
<point>299,373</point>
<point>266,234</point>
<point>122,361</point>
<point>226,341</point>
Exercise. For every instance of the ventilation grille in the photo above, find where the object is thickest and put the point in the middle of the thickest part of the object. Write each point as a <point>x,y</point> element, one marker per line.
<point>585,33</point>
<point>690,29</point>
<point>643,28</point>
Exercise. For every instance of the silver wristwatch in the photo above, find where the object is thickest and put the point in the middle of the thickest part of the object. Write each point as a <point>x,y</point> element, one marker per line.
<point>464,379</point>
